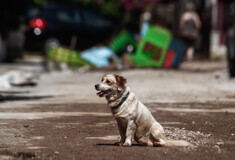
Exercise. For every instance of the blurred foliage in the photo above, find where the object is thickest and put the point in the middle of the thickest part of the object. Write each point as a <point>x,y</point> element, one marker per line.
<point>111,7</point>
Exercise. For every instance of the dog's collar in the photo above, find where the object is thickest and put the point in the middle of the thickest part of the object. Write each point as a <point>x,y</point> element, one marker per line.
<point>122,101</point>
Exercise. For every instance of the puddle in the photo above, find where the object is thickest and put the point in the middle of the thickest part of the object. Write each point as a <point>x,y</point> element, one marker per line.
<point>102,124</point>
<point>228,110</point>
<point>106,138</point>
<point>3,123</point>
<point>42,115</point>
<point>60,126</point>
<point>111,123</point>
<point>72,123</point>
<point>38,137</point>
<point>36,147</point>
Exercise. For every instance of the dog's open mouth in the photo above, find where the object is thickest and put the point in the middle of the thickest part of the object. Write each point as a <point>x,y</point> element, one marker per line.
<point>102,93</point>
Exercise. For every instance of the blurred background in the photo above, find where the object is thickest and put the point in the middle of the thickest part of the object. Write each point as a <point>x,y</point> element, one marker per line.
<point>98,33</point>
<point>178,57</point>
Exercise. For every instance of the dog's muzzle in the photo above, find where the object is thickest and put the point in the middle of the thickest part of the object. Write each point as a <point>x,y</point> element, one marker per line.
<point>102,92</point>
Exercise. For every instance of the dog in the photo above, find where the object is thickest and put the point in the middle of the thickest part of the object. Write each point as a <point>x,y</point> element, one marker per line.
<point>134,120</point>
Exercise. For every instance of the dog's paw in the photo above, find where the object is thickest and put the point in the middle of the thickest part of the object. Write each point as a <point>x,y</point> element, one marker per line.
<point>126,144</point>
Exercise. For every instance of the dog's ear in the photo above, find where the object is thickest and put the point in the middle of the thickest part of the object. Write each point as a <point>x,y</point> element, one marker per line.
<point>121,81</point>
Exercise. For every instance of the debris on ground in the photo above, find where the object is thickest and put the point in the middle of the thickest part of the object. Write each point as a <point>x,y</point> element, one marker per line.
<point>67,56</point>
<point>152,50</point>
<point>120,43</point>
<point>194,138</point>
<point>158,48</point>
<point>17,78</point>
<point>99,56</point>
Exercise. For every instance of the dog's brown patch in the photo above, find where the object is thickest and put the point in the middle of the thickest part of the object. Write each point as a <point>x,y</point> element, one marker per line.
<point>121,81</point>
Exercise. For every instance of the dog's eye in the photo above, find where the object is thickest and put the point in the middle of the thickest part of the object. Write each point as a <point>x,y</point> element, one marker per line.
<point>107,81</point>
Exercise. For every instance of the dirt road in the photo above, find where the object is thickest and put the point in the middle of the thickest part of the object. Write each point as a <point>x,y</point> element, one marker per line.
<point>62,118</point>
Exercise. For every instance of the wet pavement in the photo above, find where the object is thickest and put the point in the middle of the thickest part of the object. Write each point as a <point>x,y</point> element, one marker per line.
<point>62,118</point>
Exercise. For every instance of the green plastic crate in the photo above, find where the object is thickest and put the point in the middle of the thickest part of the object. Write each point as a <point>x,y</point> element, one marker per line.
<point>153,47</point>
<point>121,41</point>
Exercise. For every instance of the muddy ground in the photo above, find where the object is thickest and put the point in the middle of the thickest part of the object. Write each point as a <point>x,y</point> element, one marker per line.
<point>88,131</point>
<point>62,119</point>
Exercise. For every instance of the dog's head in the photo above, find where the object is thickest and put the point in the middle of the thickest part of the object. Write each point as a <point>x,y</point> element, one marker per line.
<point>110,84</point>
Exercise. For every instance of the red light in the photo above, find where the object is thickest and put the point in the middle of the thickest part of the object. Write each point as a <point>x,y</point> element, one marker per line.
<point>37,23</point>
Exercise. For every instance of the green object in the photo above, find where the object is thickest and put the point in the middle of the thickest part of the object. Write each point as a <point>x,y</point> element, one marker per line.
<point>64,55</point>
<point>119,43</point>
<point>153,47</point>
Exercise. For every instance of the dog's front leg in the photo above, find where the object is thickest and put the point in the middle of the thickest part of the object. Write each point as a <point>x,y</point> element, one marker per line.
<point>122,134</point>
<point>129,133</point>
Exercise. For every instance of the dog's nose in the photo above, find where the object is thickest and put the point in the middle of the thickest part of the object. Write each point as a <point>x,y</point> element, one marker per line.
<point>96,86</point>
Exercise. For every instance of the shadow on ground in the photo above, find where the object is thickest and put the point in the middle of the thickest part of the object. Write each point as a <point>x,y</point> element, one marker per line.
<point>22,98</point>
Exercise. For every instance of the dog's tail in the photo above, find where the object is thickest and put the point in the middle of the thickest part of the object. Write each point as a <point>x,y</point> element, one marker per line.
<point>172,143</point>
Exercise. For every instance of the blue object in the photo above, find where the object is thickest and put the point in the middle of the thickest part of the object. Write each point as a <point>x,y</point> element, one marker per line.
<point>98,56</point>
<point>144,29</point>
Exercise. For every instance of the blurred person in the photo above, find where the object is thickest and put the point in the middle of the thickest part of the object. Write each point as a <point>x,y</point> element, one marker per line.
<point>145,18</point>
<point>190,25</point>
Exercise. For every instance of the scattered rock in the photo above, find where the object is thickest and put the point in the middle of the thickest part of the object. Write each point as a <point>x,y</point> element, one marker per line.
<point>18,135</point>
<point>189,136</point>
<point>209,135</point>
<point>26,125</point>
<point>56,152</point>
<point>220,143</point>
<point>218,148</point>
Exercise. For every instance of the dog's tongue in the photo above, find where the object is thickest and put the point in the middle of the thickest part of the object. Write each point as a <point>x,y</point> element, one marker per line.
<point>100,93</point>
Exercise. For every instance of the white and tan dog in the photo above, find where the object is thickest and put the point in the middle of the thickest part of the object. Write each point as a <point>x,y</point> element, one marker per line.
<point>133,118</point>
